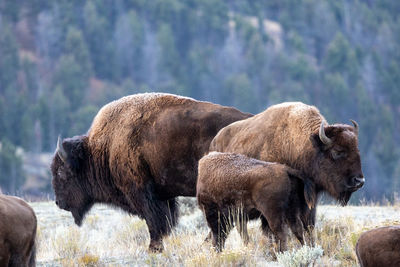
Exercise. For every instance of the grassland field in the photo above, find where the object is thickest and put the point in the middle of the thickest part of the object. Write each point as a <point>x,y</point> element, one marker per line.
<point>110,237</point>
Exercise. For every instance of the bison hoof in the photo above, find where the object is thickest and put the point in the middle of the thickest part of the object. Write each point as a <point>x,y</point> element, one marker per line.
<point>156,247</point>
<point>208,238</point>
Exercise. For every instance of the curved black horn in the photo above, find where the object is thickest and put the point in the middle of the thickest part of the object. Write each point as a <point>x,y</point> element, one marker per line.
<point>355,124</point>
<point>325,139</point>
<point>60,150</point>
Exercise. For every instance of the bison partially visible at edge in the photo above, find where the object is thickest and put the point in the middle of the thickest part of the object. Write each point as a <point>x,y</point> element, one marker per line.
<point>297,135</point>
<point>17,232</point>
<point>379,247</point>
<point>140,153</point>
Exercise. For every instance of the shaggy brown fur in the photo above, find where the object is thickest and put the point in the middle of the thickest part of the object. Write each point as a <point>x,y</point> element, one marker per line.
<point>232,188</point>
<point>17,232</point>
<point>140,153</point>
<point>379,247</point>
<point>288,133</point>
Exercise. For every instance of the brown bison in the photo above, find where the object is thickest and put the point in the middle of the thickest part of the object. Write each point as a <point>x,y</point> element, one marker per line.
<point>17,232</point>
<point>296,134</point>
<point>379,247</point>
<point>140,153</point>
<point>232,189</point>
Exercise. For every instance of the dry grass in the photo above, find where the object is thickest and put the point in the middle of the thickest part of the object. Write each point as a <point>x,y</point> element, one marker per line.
<point>111,238</point>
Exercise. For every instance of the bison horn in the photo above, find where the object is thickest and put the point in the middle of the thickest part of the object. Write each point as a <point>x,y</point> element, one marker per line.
<point>60,150</point>
<point>325,139</point>
<point>355,124</point>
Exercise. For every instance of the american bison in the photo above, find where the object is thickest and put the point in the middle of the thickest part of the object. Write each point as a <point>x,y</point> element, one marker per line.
<point>379,247</point>
<point>297,135</point>
<point>139,154</point>
<point>17,232</point>
<point>232,189</point>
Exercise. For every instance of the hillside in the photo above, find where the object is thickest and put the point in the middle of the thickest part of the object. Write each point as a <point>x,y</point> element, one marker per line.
<point>60,61</point>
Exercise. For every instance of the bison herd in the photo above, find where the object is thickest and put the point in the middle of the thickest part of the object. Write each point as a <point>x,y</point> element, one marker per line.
<point>143,151</point>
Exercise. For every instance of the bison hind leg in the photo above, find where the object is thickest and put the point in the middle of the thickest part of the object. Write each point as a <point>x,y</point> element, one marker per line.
<point>297,227</point>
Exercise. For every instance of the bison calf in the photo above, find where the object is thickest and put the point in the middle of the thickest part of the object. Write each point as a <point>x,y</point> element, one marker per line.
<point>17,232</point>
<point>379,247</point>
<point>228,183</point>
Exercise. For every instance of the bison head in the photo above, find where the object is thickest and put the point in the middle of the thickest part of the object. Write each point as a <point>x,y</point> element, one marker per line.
<point>69,179</point>
<point>337,165</point>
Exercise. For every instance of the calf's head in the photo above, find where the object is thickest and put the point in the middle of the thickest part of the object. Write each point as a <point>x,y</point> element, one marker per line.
<point>69,180</point>
<point>337,166</point>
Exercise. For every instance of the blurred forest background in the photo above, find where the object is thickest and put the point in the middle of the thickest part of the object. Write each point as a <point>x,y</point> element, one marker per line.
<point>60,61</point>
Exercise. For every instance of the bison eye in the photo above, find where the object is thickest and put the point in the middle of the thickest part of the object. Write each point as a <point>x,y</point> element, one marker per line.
<point>337,154</point>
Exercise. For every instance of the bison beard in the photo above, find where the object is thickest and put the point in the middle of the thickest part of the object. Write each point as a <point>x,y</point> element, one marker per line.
<point>140,153</point>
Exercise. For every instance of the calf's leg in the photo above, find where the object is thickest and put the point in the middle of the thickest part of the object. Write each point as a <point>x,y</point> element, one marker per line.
<point>274,216</point>
<point>296,226</point>
<point>218,223</point>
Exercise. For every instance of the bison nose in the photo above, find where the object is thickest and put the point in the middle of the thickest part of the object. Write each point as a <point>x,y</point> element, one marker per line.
<point>57,202</point>
<point>359,181</point>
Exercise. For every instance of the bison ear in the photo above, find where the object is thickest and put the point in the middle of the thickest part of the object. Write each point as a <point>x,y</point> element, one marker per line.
<point>322,144</point>
<point>317,143</point>
<point>75,149</point>
<point>310,194</point>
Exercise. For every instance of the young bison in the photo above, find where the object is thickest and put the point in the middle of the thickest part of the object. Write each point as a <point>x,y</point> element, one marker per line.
<point>228,183</point>
<point>379,247</point>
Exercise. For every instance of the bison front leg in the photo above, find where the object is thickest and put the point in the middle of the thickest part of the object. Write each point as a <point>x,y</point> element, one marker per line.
<point>218,223</point>
<point>161,217</point>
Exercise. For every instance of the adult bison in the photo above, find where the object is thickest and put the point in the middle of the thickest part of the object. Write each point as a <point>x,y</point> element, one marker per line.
<point>379,247</point>
<point>140,153</point>
<point>17,232</point>
<point>296,134</point>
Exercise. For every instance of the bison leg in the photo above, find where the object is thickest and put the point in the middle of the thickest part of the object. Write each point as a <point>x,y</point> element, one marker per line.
<point>275,220</point>
<point>217,220</point>
<point>308,219</point>
<point>208,237</point>
<point>160,216</point>
<point>265,227</point>
<point>297,228</point>
<point>163,218</point>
